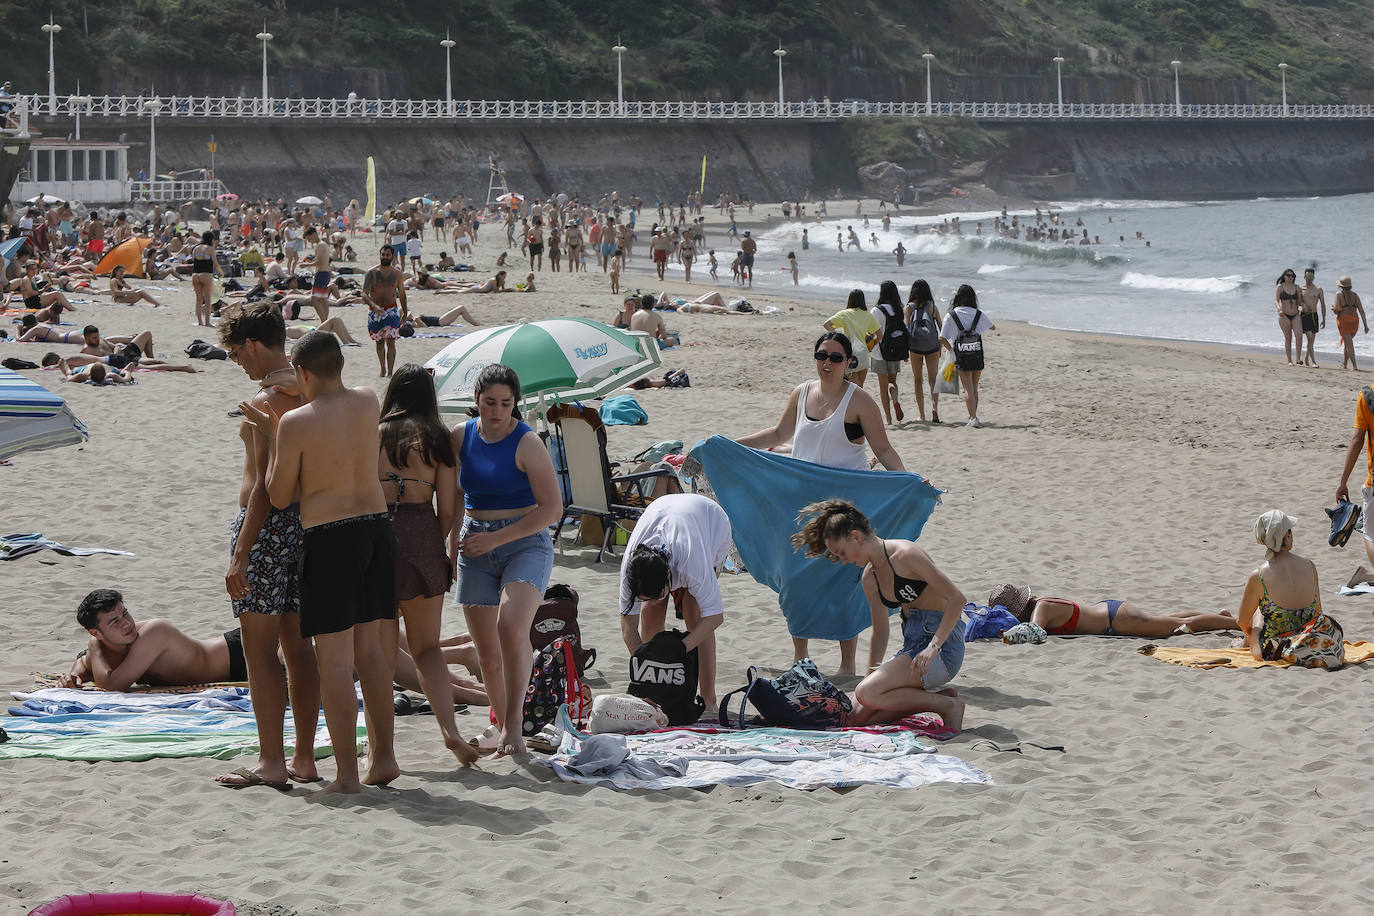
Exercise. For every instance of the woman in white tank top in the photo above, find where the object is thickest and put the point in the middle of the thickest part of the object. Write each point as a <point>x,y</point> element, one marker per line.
<point>828,421</point>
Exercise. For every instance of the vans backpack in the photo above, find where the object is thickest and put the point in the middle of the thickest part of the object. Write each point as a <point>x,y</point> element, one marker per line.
<point>553,683</point>
<point>800,697</point>
<point>557,616</point>
<point>922,335</point>
<point>664,672</point>
<point>892,346</point>
<point>968,346</point>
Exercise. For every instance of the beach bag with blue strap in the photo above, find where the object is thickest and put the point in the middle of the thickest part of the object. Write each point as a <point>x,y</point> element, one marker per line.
<point>800,697</point>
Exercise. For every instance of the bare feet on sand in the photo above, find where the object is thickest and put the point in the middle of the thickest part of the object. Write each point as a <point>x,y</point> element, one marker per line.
<point>953,719</point>
<point>381,772</point>
<point>339,787</point>
<point>467,754</point>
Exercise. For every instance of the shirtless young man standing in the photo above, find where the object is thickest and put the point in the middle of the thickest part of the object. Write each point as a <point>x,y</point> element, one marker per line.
<point>384,292</point>
<point>319,289</point>
<point>658,250</point>
<point>327,450</point>
<point>122,653</point>
<point>263,577</point>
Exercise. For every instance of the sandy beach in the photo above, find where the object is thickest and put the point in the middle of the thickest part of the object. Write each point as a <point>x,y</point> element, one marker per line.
<point>1107,467</point>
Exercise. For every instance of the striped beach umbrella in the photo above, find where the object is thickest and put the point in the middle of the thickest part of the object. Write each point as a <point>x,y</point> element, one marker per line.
<point>558,359</point>
<point>33,418</point>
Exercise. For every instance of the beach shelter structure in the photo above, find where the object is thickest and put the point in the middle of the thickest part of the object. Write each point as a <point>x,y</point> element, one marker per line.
<point>33,418</point>
<point>558,359</point>
<point>9,247</point>
<point>128,254</point>
<point>310,201</point>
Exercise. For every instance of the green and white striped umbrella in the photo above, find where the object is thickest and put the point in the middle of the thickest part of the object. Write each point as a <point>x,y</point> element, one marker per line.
<point>558,359</point>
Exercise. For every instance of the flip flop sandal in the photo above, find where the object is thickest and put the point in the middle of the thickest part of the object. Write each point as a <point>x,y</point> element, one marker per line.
<point>296,777</point>
<point>247,779</point>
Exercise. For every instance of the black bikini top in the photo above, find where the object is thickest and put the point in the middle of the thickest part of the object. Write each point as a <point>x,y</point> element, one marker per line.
<point>908,590</point>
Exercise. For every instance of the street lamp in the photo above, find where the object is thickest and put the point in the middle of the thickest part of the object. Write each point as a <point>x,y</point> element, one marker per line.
<point>780,54</point>
<point>619,50</point>
<point>264,36</point>
<point>152,106</point>
<point>448,44</point>
<point>928,57</point>
<point>1178,100</point>
<point>52,29</point>
<point>1283,76</point>
<point>1059,80</point>
<point>77,103</point>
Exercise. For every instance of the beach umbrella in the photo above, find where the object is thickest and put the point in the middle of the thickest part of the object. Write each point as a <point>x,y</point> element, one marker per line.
<point>510,197</point>
<point>310,201</point>
<point>128,253</point>
<point>226,196</point>
<point>33,418</point>
<point>561,359</point>
<point>9,247</point>
<point>421,200</point>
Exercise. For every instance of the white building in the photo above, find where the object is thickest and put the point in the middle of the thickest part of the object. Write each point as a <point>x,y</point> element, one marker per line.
<point>89,171</point>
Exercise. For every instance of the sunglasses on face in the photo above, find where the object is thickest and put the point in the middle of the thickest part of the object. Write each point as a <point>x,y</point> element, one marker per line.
<point>822,356</point>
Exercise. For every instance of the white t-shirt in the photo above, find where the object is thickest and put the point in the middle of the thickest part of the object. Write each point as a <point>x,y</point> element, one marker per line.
<point>949,330</point>
<point>413,248</point>
<point>695,532</point>
<point>397,230</point>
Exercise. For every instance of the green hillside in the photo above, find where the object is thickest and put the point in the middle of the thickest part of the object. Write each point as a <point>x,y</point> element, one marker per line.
<point>712,48</point>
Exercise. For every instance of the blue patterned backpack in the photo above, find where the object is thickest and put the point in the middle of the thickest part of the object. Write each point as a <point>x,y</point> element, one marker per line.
<point>800,697</point>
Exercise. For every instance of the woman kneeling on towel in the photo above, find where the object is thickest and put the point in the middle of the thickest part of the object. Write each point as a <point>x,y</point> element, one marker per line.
<point>1108,617</point>
<point>915,679</point>
<point>1281,610</point>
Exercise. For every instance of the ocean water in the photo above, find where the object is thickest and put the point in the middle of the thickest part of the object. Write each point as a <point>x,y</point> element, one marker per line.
<point>1208,274</point>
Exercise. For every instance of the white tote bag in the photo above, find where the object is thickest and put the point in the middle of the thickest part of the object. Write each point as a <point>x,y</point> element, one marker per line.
<point>617,713</point>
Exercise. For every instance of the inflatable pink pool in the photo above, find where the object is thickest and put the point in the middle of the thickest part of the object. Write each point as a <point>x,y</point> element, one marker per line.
<point>135,903</point>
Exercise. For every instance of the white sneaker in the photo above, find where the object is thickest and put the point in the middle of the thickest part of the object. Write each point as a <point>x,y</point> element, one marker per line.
<point>974,423</point>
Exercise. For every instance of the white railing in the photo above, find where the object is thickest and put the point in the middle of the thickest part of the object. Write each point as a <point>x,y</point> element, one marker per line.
<point>473,109</point>
<point>174,190</point>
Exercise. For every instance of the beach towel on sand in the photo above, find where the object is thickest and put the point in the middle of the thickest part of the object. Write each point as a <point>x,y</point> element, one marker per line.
<point>793,758</point>
<point>1355,653</point>
<point>42,679</point>
<point>761,493</point>
<point>64,724</point>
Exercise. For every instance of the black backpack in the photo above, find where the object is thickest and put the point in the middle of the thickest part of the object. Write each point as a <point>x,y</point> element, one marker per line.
<point>893,345</point>
<point>968,346</point>
<point>557,616</point>
<point>922,334</point>
<point>664,672</point>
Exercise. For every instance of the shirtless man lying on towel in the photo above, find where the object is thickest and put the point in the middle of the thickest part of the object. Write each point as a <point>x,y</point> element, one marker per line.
<point>122,652</point>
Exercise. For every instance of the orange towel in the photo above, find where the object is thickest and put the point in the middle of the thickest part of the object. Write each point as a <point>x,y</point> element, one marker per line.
<point>1355,653</point>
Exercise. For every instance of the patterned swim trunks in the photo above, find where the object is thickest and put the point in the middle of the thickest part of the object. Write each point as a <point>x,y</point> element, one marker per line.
<point>384,325</point>
<point>273,563</point>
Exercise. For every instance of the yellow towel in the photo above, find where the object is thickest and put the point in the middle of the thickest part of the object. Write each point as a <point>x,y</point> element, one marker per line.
<point>1355,653</point>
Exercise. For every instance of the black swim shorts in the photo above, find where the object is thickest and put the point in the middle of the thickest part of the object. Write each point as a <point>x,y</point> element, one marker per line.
<point>348,574</point>
<point>238,665</point>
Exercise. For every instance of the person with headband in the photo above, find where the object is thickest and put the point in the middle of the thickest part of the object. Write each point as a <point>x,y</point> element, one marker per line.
<point>1281,610</point>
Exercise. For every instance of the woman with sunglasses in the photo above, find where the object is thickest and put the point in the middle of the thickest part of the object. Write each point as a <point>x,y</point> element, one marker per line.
<point>828,421</point>
<point>1286,302</point>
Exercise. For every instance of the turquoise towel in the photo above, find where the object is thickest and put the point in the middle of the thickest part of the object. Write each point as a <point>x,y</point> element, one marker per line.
<point>762,493</point>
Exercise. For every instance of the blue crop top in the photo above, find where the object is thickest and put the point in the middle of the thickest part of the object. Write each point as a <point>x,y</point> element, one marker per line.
<point>487,471</point>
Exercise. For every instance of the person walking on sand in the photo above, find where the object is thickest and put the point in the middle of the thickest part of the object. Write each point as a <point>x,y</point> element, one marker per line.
<point>658,251</point>
<point>1349,312</point>
<point>385,294</point>
<point>892,348</point>
<point>501,545</point>
<point>1286,298</point>
<point>923,339</point>
<point>916,678</point>
<point>1311,297</point>
<point>265,551</point>
<point>1363,438</point>
<point>417,469</point>
<point>326,451</point>
<point>204,270</point>
<point>687,253</point>
<point>857,323</point>
<point>962,334</point>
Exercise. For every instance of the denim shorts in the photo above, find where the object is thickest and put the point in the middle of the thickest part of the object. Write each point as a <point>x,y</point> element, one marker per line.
<point>481,579</point>
<point>918,630</point>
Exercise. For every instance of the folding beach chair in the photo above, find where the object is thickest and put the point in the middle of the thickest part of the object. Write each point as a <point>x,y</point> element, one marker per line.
<point>589,484</point>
